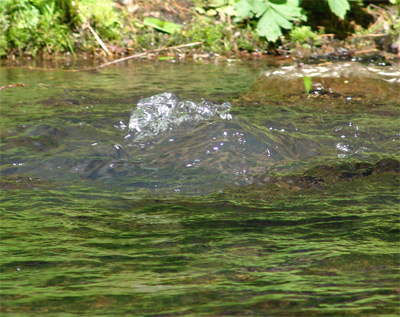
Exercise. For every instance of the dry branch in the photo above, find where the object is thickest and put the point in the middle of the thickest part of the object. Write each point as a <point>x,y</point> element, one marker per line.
<point>12,86</point>
<point>146,53</point>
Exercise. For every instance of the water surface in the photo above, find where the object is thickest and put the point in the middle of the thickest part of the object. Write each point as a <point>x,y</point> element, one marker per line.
<point>313,233</point>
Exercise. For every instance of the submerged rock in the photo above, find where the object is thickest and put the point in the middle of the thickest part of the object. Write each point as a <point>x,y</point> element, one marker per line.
<point>230,147</point>
<point>169,132</point>
<point>344,82</point>
<point>171,143</point>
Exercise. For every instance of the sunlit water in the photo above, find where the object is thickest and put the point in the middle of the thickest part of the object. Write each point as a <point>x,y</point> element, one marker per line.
<point>287,205</point>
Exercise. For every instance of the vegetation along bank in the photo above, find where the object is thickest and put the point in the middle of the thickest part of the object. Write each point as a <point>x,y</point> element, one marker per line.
<point>112,29</point>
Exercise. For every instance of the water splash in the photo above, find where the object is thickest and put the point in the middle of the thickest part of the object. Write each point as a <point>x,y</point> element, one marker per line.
<point>166,111</point>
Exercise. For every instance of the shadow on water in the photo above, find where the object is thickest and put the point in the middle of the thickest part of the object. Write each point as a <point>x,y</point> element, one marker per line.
<point>95,223</point>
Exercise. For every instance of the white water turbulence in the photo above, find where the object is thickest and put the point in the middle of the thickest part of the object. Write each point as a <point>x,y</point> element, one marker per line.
<point>199,139</point>
<point>166,111</point>
<point>172,144</point>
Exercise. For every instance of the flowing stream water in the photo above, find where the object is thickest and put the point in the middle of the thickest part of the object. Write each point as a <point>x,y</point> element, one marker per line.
<point>200,189</point>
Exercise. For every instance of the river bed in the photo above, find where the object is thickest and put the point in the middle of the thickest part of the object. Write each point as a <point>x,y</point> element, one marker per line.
<point>289,206</point>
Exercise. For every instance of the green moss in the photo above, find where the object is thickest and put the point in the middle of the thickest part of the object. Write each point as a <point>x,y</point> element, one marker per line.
<point>218,36</point>
<point>31,25</point>
<point>102,15</point>
<point>214,35</point>
<point>304,35</point>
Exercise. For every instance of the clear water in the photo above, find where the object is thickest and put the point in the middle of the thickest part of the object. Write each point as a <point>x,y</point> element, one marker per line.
<point>313,232</point>
<point>165,112</point>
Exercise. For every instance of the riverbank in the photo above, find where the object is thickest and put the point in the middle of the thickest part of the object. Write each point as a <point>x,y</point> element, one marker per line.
<point>178,30</point>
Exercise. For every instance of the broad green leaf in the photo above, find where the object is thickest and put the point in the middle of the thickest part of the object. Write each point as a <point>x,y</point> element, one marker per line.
<point>295,3</point>
<point>243,10</point>
<point>268,27</point>
<point>274,15</point>
<point>279,15</point>
<point>164,26</point>
<point>279,19</point>
<point>249,8</point>
<point>290,10</point>
<point>339,7</point>
<point>258,7</point>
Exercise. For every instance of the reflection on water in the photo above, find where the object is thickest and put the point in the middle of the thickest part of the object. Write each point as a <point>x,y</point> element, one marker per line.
<point>93,224</point>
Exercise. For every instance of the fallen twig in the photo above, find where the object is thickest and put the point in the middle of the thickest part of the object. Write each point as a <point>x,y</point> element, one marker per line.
<point>121,59</point>
<point>369,35</point>
<point>12,86</point>
<point>326,35</point>
<point>86,23</point>
<point>146,53</point>
<point>98,39</point>
<point>367,51</point>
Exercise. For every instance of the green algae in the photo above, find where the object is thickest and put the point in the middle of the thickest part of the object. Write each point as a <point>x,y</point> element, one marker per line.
<point>303,254</point>
<point>319,240</point>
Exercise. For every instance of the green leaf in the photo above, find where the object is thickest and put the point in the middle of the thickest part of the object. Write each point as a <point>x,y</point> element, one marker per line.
<point>339,7</point>
<point>307,83</point>
<point>280,19</point>
<point>211,12</point>
<point>243,10</point>
<point>290,10</point>
<point>273,14</point>
<point>229,10</point>
<point>200,10</point>
<point>164,26</point>
<point>165,58</point>
<point>268,27</point>
<point>216,3</point>
<point>279,14</point>
<point>258,7</point>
